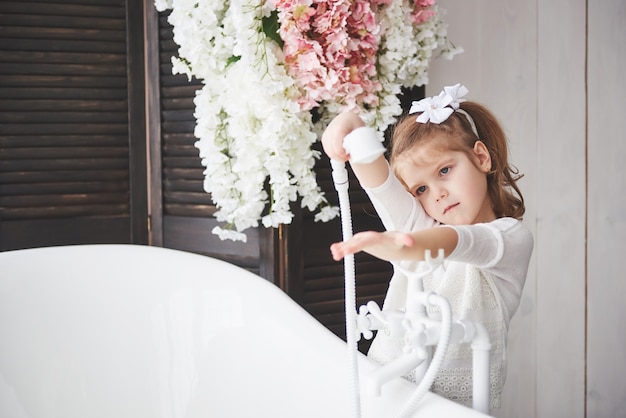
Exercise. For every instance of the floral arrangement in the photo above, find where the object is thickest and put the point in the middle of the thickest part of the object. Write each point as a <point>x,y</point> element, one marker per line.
<point>274,74</point>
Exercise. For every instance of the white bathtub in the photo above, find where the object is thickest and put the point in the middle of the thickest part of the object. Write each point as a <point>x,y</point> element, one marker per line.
<point>143,332</point>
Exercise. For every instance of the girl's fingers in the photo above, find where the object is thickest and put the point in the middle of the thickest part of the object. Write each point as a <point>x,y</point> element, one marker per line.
<point>387,246</point>
<point>335,151</point>
<point>335,250</point>
<point>341,249</point>
<point>357,243</point>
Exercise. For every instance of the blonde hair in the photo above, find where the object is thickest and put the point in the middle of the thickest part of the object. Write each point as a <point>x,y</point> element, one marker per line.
<point>506,198</point>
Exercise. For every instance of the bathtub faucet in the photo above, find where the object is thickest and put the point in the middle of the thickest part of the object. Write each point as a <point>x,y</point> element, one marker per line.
<point>412,328</point>
<point>417,333</point>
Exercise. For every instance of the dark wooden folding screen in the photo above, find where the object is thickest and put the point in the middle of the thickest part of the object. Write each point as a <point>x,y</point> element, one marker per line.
<point>72,123</point>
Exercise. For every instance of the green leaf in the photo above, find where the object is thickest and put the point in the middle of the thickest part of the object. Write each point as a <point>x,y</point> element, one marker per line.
<point>271,26</point>
<point>233,60</point>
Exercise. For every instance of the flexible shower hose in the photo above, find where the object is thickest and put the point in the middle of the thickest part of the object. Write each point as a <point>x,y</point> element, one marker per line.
<point>340,178</point>
<point>341,181</point>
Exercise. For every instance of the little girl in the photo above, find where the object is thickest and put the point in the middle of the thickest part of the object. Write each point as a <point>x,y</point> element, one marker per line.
<point>449,187</point>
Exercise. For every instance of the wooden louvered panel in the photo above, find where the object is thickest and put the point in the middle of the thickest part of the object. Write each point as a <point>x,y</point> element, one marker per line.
<point>64,122</point>
<point>183,193</point>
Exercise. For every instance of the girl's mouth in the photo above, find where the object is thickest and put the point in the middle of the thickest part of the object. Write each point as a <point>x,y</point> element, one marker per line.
<point>449,208</point>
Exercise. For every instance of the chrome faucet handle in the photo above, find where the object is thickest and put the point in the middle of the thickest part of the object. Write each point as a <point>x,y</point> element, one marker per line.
<point>363,324</point>
<point>433,263</point>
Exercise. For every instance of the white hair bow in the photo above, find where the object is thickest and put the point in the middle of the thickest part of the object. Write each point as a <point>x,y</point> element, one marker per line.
<point>437,109</point>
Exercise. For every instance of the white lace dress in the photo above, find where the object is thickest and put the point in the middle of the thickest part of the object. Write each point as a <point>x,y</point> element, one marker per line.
<point>482,278</point>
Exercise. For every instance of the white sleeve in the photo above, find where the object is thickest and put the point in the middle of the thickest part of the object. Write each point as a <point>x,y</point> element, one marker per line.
<point>397,208</point>
<point>502,248</point>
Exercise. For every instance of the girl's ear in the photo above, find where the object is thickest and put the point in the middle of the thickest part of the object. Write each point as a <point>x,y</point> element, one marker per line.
<point>482,154</point>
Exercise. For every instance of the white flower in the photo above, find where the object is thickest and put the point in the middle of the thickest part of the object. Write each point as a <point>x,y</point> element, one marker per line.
<point>161,5</point>
<point>253,138</point>
<point>229,234</point>
<point>181,67</point>
<point>327,213</point>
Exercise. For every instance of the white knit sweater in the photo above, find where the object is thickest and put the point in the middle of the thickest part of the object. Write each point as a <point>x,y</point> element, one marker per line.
<point>482,278</point>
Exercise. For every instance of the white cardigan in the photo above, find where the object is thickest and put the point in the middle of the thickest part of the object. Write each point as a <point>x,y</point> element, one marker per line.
<point>482,278</point>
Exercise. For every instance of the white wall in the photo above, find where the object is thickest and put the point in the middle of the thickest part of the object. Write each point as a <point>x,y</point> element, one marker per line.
<point>553,74</point>
<point>606,282</point>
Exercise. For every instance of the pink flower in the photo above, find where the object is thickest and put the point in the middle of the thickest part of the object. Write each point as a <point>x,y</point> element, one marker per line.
<point>331,48</point>
<point>421,16</point>
<point>421,11</point>
<point>302,15</point>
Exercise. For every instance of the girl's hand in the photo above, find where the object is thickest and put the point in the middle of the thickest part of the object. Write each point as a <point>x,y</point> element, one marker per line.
<point>390,245</point>
<point>338,128</point>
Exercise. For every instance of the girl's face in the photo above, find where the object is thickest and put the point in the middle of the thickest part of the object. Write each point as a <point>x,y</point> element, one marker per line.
<point>450,185</point>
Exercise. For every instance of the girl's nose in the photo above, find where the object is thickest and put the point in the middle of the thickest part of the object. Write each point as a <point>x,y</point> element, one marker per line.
<point>441,194</point>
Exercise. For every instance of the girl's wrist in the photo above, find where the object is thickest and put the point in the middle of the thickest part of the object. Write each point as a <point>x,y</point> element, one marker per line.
<point>363,145</point>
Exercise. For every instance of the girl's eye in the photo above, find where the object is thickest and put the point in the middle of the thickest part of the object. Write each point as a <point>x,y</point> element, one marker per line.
<point>444,170</point>
<point>420,190</point>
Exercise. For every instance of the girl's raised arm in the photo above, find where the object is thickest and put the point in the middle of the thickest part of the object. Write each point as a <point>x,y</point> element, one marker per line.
<point>398,246</point>
<point>370,175</point>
